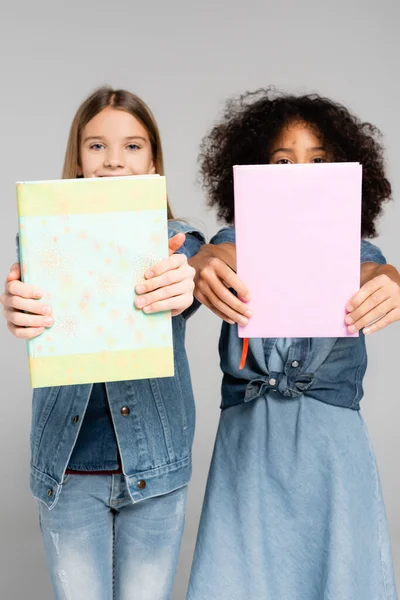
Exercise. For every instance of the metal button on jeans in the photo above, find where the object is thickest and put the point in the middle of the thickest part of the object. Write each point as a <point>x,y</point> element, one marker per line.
<point>295,364</point>
<point>141,484</point>
<point>125,411</point>
<point>272,381</point>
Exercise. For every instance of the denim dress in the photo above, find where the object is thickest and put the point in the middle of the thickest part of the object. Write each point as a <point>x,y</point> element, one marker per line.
<point>293,508</point>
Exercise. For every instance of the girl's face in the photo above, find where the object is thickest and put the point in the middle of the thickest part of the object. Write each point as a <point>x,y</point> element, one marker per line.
<point>297,144</point>
<point>113,144</point>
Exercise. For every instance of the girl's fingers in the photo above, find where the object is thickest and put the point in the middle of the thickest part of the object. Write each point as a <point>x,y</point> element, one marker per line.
<point>170,291</point>
<point>30,306</point>
<point>25,333</point>
<point>391,317</point>
<point>18,288</point>
<point>221,291</point>
<point>21,319</point>
<point>367,290</point>
<point>371,313</point>
<point>176,305</point>
<point>217,268</point>
<point>167,278</point>
<point>26,318</point>
<point>203,299</point>
<point>220,306</point>
<point>176,242</point>
<point>168,264</point>
<point>376,299</point>
<point>15,273</point>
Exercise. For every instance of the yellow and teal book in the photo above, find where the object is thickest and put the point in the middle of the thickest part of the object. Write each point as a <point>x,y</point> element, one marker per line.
<point>87,243</point>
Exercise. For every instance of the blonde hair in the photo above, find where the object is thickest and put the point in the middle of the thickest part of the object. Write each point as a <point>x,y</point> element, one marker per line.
<point>120,100</point>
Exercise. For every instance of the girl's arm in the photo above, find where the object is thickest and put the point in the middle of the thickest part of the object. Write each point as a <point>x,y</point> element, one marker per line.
<point>378,298</point>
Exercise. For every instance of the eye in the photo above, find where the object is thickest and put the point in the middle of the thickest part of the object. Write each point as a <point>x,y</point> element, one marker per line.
<point>133,147</point>
<point>318,160</point>
<point>97,146</point>
<point>283,161</point>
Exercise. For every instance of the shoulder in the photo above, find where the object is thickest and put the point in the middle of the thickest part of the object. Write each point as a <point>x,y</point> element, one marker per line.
<point>371,253</point>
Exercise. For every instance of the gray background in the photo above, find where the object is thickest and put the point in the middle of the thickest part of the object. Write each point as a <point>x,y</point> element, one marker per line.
<point>184,60</point>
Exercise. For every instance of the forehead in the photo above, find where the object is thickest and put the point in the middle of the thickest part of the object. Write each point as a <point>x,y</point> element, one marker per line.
<point>115,122</point>
<point>297,134</point>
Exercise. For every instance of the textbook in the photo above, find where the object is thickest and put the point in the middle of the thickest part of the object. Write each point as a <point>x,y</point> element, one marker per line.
<point>86,243</point>
<point>298,234</point>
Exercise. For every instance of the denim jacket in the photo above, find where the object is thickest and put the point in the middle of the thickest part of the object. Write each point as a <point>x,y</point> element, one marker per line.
<point>154,435</point>
<point>330,370</point>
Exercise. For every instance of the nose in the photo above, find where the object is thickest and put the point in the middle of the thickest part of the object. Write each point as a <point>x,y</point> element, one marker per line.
<point>114,159</point>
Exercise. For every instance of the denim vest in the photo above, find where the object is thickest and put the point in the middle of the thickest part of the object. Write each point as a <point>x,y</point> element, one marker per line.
<point>330,370</point>
<point>154,431</point>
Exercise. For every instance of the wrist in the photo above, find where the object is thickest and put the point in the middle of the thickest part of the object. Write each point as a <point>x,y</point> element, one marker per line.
<point>390,271</point>
<point>226,252</point>
<point>371,270</point>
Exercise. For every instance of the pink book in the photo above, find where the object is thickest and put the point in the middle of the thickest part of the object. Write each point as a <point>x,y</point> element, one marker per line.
<point>298,231</point>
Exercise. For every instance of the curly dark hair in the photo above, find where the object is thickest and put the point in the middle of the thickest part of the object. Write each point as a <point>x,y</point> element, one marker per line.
<point>252,122</point>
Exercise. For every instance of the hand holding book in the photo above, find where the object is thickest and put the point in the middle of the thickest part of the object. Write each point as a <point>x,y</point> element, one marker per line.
<point>27,318</point>
<point>168,285</point>
<point>215,277</point>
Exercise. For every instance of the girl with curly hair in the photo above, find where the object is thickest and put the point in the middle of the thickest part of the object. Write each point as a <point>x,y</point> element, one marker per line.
<point>293,507</point>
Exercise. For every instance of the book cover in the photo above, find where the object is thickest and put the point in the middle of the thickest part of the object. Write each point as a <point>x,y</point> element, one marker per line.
<point>298,231</point>
<point>86,243</point>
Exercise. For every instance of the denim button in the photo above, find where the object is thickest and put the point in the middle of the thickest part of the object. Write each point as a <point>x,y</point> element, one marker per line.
<point>141,484</point>
<point>295,364</point>
<point>125,411</point>
<point>272,381</point>
<point>49,493</point>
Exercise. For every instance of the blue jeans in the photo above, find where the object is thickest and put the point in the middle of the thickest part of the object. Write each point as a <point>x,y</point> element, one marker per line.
<point>100,546</point>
